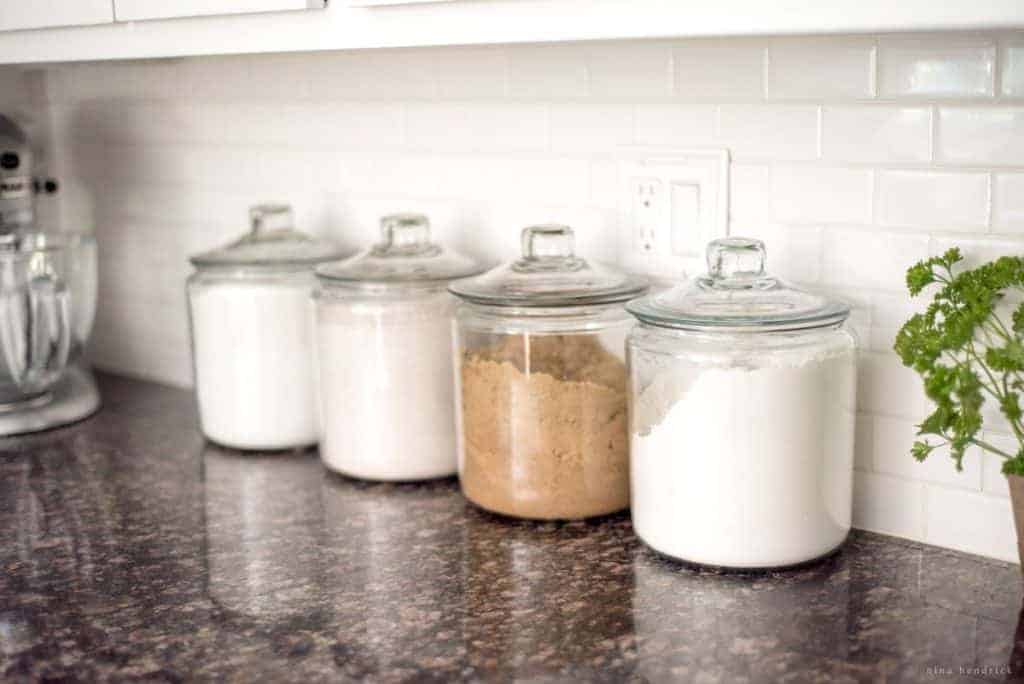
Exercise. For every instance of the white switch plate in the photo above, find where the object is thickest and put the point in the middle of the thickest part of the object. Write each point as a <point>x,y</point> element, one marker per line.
<point>672,203</point>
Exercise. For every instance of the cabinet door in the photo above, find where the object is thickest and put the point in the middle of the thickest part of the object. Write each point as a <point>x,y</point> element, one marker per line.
<point>33,14</point>
<point>377,3</point>
<point>138,10</point>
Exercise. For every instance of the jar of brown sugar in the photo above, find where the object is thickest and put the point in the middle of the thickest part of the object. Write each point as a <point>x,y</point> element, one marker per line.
<point>541,383</point>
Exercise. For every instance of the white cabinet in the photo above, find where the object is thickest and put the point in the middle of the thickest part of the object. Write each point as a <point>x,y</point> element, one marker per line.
<point>176,28</point>
<point>16,15</point>
<point>138,10</point>
<point>379,3</point>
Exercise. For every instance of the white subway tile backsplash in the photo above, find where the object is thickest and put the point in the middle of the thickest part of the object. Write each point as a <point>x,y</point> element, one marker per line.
<point>888,314</point>
<point>361,74</point>
<point>355,222</point>
<point>978,251</point>
<point>876,134</point>
<point>471,72</point>
<point>893,438</point>
<point>477,126</point>
<point>936,66</point>
<point>1013,69</point>
<point>970,522</point>
<point>604,184</point>
<point>716,69</point>
<point>993,481</point>
<point>749,193</point>
<point>847,187</point>
<point>227,78</point>
<point>1008,202</point>
<point>780,132</point>
<point>825,195</point>
<point>981,136</point>
<point>508,218</point>
<point>674,124</point>
<point>888,505</point>
<point>863,443</point>
<point>547,71</point>
<point>590,127</point>
<point>630,70</point>
<point>794,251</point>
<point>532,180</point>
<point>871,259</point>
<point>886,387</point>
<point>274,79</point>
<point>935,200</point>
<point>820,67</point>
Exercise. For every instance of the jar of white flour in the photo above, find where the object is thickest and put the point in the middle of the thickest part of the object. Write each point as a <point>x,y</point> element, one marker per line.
<point>252,338</point>
<point>742,403</point>
<point>384,356</point>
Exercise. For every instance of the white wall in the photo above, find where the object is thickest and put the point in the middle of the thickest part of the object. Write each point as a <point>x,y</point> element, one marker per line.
<point>853,158</point>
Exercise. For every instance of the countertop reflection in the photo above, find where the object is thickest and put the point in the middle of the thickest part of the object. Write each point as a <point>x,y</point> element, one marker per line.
<point>133,550</point>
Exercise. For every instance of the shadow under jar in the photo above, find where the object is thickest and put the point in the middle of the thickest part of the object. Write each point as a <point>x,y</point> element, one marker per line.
<point>384,356</point>
<point>542,383</point>
<point>742,406</point>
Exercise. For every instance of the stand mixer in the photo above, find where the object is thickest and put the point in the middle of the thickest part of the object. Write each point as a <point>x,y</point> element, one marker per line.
<point>48,287</point>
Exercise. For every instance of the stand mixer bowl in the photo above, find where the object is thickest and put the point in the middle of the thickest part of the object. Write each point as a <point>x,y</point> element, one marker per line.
<point>47,306</point>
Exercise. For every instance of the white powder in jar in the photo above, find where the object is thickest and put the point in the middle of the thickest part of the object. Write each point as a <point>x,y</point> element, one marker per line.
<point>746,467</point>
<point>386,386</point>
<point>253,353</point>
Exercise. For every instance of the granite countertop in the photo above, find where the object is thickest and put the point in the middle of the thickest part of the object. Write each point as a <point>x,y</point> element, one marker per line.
<point>132,550</point>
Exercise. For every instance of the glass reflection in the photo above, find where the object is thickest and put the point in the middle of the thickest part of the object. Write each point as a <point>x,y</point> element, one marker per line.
<point>540,600</point>
<point>59,505</point>
<point>394,574</point>
<point>727,626</point>
<point>262,533</point>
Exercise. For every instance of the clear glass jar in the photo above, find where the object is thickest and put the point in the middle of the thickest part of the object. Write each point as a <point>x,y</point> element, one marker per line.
<point>252,338</point>
<point>742,406</point>
<point>541,381</point>
<point>384,356</point>
<point>37,334</point>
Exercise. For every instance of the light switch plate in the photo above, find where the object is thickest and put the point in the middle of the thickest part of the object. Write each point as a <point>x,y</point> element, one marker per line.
<point>671,204</point>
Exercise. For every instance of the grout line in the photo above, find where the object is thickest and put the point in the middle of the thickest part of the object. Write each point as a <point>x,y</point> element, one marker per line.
<point>873,73</point>
<point>672,90</point>
<point>821,132</point>
<point>873,210</point>
<point>765,68</point>
<point>991,201</point>
<point>997,69</point>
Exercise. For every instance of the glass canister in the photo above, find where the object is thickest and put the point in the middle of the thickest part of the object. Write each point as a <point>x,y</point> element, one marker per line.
<point>542,383</point>
<point>742,407</point>
<point>384,356</point>
<point>252,338</point>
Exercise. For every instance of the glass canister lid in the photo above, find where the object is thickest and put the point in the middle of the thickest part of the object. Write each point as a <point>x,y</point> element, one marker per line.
<point>271,241</point>
<point>737,294</point>
<point>549,274</point>
<point>405,255</point>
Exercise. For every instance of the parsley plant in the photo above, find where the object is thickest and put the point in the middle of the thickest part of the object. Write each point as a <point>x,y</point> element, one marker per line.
<point>966,353</point>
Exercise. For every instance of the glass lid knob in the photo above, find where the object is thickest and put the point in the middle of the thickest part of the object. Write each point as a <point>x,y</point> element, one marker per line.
<point>549,247</point>
<point>404,232</point>
<point>735,258</point>
<point>548,241</point>
<point>267,218</point>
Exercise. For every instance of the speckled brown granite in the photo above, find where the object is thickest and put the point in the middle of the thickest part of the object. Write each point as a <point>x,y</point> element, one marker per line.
<point>131,551</point>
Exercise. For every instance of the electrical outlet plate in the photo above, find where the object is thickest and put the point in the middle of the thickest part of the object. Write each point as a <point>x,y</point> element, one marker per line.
<point>671,204</point>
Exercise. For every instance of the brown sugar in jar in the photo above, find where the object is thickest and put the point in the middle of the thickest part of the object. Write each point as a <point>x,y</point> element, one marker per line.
<point>544,427</point>
<point>540,347</point>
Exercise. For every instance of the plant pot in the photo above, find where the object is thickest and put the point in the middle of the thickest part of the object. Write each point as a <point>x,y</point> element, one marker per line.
<point>1017,499</point>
